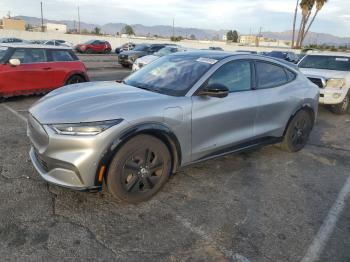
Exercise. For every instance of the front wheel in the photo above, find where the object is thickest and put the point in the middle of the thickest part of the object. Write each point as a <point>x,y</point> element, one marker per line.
<point>298,132</point>
<point>343,107</point>
<point>139,169</point>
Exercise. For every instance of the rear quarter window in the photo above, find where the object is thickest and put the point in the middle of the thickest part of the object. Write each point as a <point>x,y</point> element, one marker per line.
<point>61,56</point>
<point>270,75</point>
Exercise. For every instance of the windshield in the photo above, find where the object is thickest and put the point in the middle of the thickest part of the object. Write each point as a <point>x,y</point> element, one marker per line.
<point>166,51</point>
<point>338,63</point>
<point>141,48</point>
<point>3,51</point>
<point>170,75</point>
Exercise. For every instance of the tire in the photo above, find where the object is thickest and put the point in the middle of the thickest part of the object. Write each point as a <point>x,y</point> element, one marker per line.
<point>139,169</point>
<point>125,65</point>
<point>107,51</point>
<point>88,51</point>
<point>298,132</point>
<point>342,108</point>
<point>75,79</point>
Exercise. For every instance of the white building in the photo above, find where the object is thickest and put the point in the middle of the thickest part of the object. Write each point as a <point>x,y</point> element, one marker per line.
<point>60,28</point>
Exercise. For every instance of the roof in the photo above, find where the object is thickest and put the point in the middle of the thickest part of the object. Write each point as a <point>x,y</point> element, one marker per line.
<point>20,45</point>
<point>328,53</point>
<point>213,54</point>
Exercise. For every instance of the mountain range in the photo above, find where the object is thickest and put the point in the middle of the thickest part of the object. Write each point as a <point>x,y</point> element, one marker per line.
<point>201,34</point>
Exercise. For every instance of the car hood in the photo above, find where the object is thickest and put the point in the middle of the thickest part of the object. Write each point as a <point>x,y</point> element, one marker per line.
<point>147,59</point>
<point>94,101</point>
<point>324,73</point>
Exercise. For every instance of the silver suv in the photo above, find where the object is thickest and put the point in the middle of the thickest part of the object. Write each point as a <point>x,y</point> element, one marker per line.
<point>181,109</point>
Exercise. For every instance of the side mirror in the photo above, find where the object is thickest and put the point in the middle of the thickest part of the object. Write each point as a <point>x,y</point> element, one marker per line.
<point>215,90</point>
<point>15,62</point>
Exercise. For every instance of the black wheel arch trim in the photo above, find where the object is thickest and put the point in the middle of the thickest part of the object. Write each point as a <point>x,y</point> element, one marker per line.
<point>159,130</point>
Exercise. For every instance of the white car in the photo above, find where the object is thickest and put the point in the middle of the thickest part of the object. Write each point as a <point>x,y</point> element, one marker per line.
<point>331,72</point>
<point>145,60</point>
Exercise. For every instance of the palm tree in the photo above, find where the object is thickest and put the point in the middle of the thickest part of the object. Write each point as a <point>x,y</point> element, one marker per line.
<point>306,7</point>
<point>319,5</point>
<point>294,22</point>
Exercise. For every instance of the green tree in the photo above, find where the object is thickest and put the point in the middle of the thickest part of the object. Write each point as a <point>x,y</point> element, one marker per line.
<point>28,27</point>
<point>307,7</point>
<point>192,37</point>
<point>232,36</point>
<point>319,5</point>
<point>294,22</point>
<point>128,30</point>
<point>229,36</point>
<point>96,31</point>
<point>235,36</point>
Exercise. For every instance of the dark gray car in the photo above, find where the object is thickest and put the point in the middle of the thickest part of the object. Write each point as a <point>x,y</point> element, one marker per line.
<point>127,58</point>
<point>181,109</point>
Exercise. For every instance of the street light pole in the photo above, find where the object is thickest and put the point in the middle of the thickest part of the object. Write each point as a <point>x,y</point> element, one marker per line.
<point>42,17</point>
<point>78,20</point>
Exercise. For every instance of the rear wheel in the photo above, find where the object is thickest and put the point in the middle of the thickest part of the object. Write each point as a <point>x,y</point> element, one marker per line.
<point>343,107</point>
<point>75,79</point>
<point>139,169</point>
<point>298,132</point>
<point>88,51</point>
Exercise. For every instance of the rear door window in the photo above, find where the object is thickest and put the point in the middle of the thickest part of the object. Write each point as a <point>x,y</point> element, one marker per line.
<point>28,56</point>
<point>270,75</point>
<point>61,56</point>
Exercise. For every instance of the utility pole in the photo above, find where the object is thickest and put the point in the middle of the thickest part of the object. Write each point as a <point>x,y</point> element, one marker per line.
<point>173,28</point>
<point>42,17</point>
<point>78,20</point>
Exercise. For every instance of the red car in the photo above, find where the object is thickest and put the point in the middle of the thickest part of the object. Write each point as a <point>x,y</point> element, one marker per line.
<point>28,69</point>
<point>94,46</point>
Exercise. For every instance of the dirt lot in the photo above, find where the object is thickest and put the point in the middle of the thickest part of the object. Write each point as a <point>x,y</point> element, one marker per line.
<point>263,205</point>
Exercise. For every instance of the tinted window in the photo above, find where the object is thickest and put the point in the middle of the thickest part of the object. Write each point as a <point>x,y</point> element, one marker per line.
<point>61,55</point>
<point>3,51</point>
<point>236,76</point>
<point>270,75</point>
<point>156,48</point>
<point>339,63</point>
<point>141,48</point>
<point>27,56</point>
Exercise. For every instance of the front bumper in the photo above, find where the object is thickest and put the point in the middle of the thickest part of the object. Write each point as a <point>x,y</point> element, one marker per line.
<point>126,61</point>
<point>59,176</point>
<point>69,161</point>
<point>332,96</point>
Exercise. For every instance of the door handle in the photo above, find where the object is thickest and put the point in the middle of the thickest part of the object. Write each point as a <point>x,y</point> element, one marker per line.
<point>47,68</point>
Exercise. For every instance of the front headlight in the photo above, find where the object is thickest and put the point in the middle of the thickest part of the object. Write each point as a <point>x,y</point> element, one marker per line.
<point>335,83</point>
<point>84,129</point>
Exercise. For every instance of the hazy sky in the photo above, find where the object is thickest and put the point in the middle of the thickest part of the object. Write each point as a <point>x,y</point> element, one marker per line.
<point>272,15</point>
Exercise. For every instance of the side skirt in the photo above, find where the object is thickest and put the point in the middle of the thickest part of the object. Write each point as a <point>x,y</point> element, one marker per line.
<point>257,143</point>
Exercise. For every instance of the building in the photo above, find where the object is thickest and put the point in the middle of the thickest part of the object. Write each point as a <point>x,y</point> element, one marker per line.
<point>59,28</point>
<point>224,37</point>
<point>248,39</point>
<point>12,24</point>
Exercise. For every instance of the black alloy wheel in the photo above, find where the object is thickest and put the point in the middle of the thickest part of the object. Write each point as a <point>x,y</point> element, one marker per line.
<point>298,132</point>
<point>139,169</point>
<point>75,79</point>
